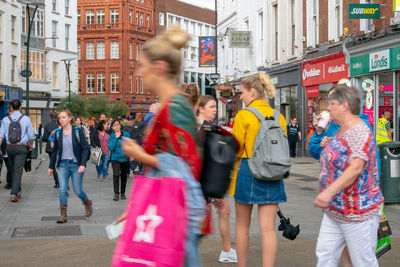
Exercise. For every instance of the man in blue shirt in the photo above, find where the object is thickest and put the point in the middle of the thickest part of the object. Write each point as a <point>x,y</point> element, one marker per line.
<point>18,151</point>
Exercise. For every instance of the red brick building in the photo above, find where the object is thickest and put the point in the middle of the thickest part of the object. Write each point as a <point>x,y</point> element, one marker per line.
<point>111,35</point>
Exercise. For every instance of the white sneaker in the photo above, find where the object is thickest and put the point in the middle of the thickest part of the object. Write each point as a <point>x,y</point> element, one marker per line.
<point>229,256</point>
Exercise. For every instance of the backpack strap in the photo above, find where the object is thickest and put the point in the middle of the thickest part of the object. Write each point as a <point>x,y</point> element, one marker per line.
<point>76,130</point>
<point>256,113</point>
<point>20,118</point>
<point>276,115</point>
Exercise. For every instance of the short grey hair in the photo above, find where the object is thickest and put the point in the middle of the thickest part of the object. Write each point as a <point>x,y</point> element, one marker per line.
<point>350,94</point>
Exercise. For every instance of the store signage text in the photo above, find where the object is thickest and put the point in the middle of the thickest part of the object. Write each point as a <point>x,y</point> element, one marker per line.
<point>364,11</point>
<point>325,71</point>
<point>379,60</point>
<point>241,39</point>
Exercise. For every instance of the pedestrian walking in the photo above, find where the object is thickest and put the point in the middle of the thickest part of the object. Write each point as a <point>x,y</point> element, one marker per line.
<point>99,139</point>
<point>119,161</point>
<point>174,130</point>
<point>249,190</point>
<point>18,131</point>
<point>48,129</point>
<point>349,185</point>
<point>70,151</point>
<point>207,111</point>
<point>383,131</point>
<point>294,135</point>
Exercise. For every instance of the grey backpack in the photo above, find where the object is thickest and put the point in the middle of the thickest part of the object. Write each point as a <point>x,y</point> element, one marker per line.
<point>14,130</point>
<point>270,160</point>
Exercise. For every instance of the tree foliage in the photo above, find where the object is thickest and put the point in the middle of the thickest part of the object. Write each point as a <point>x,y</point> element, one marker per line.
<point>119,109</point>
<point>78,105</point>
<point>97,105</point>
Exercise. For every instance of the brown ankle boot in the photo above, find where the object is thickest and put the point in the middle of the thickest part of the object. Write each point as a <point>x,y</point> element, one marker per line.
<point>88,207</point>
<point>63,217</point>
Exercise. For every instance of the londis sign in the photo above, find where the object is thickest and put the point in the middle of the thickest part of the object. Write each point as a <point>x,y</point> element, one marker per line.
<point>379,60</point>
<point>364,11</point>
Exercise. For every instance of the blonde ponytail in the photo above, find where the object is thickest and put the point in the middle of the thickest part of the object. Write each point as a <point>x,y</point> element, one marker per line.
<point>261,83</point>
<point>268,85</point>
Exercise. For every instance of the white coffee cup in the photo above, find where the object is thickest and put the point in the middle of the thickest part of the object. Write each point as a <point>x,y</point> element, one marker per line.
<point>324,120</point>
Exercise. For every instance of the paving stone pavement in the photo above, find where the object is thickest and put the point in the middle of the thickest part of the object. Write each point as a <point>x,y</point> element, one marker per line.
<point>90,247</point>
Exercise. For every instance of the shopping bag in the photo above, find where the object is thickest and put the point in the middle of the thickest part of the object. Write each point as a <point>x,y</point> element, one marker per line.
<point>384,233</point>
<point>156,223</point>
<point>95,156</point>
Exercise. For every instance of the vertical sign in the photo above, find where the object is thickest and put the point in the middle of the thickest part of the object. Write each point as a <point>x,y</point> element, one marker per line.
<point>396,5</point>
<point>207,55</point>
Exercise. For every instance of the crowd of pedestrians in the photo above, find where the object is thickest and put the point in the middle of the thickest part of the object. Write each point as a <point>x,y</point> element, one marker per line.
<point>172,133</point>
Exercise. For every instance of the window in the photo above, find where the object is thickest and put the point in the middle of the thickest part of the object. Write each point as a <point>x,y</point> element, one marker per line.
<point>90,16</point>
<point>114,15</point>
<point>54,5</point>
<point>1,69</point>
<point>141,50</point>
<point>101,50</point>
<point>101,83</point>
<point>67,26</point>
<point>130,82</point>
<point>115,50</point>
<point>141,19</point>
<point>79,82</point>
<point>293,25</point>
<point>137,85</point>
<point>23,20</point>
<point>315,21</point>
<point>160,19</point>
<point>186,25</point>
<point>90,83</point>
<point>137,18</point>
<point>79,50</point>
<point>36,64</point>
<point>79,17</point>
<point>170,20</point>
<point>1,25</point>
<point>193,27</point>
<point>13,22</point>
<point>207,30</point>
<point>178,21</point>
<point>193,53</point>
<point>54,33</point>
<point>66,7</point>
<point>141,85</point>
<point>137,51</point>
<point>100,16</point>
<point>130,50</point>
<point>38,23</point>
<point>185,52</point>
<point>55,75</point>
<point>114,82</point>
<point>276,34</point>
<point>130,16</point>
<point>338,18</point>
<point>13,68</point>
<point>89,50</point>
<point>148,20</point>
<point>261,36</point>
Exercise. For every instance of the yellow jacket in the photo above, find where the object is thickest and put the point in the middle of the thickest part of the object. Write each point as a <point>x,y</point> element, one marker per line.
<point>245,129</point>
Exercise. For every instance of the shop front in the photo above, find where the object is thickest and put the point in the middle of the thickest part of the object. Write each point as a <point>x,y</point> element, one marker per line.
<point>139,110</point>
<point>375,69</point>
<point>318,77</point>
<point>7,94</point>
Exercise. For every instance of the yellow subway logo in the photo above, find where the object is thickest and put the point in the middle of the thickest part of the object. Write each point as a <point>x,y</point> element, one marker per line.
<point>363,11</point>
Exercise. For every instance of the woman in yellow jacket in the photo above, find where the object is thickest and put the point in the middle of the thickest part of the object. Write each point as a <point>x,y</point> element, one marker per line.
<point>248,190</point>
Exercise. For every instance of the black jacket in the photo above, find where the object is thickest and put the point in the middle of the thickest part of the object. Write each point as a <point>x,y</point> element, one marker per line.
<point>48,128</point>
<point>81,148</point>
<point>94,139</point>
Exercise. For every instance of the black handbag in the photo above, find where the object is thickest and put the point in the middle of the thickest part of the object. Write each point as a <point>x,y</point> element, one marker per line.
<point>220,148</point>
<point>28,162</point>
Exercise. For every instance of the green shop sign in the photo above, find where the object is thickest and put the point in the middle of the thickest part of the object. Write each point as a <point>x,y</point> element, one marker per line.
<point>376,61</point>
<point>364,11</point>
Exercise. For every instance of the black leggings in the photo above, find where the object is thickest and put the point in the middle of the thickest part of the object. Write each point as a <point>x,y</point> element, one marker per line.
<point>120,169</point>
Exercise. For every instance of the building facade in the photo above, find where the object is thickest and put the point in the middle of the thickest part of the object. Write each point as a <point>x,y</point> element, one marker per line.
<point>110,40</point>
<point>195,20</point>
<point>10,45</point>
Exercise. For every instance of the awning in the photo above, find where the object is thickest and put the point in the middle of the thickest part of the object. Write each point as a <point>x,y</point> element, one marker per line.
<point>8,93</point>
<point>142,107</point>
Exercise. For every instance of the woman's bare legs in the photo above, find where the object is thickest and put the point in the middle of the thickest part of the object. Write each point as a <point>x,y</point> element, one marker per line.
<point>266,220</point>
<point>243,220</point>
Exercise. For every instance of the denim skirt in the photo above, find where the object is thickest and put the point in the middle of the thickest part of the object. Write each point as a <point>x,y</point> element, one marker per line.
<point>250,190</point>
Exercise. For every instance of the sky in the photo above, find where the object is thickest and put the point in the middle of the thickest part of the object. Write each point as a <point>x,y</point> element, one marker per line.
<point>210,4</point>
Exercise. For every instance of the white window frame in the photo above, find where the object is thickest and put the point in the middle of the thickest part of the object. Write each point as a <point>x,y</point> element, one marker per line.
<point>67,32</point>
<point>100,16</point>
<point>101,50</point>
<point>338,19</point>
<point>1,66</point>
<point>141,85</point>
<point>114,82</point>
<point>130,82</point>
<point>67,7</point>
<point>78,15</point>
<point>141,18</point>
<point>130,16</point>
<point>55,75</point>
<point>54,26</point>
<point>101,83</point>
<point>147,20</point>
<point>90,87</point>
<point>78,48</point>
<point>161,19</point>
<point>90,16</point>
<point>23,20</point>
<point>89,50</point>
<point>137,51</point>
<point>13,28</point>
<point>130,49</point>
<point>114,48</point>
<point>54,5</point>
<point>137,85</point>
<point>293,27</point>
<point>137,18</point>
<point>13,67</point>
<point>315,21</point>
<point>114,15</point>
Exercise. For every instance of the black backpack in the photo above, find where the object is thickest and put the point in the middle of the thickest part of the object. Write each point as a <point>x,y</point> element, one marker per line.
<point>137,132</point>
<point>15,130</point>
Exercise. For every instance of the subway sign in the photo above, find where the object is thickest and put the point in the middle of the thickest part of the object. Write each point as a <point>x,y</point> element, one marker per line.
<point>364,11</point>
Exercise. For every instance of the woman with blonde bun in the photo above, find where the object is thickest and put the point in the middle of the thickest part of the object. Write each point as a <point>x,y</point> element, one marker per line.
<point>174,130</point>
<point>248,190</point>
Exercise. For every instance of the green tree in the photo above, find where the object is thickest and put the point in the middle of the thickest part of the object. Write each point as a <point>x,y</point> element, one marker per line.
<point>119,109</point>
<point>78,105</point>
<point>97,105</point>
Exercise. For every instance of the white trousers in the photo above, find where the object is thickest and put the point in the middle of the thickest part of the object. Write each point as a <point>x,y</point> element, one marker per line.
<point>360,238</point>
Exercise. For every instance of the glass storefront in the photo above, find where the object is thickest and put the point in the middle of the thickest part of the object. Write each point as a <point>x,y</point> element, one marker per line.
<point>286,102</point>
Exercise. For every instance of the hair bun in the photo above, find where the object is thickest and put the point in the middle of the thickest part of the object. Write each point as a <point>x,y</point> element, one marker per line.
<point>176,37</point>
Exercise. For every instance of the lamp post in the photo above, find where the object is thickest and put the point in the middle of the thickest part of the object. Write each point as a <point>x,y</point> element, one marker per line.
<point>67,62</point>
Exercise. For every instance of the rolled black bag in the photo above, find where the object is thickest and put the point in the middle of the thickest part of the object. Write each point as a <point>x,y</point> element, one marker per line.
<point>220,148</point>
<point>28,162</point>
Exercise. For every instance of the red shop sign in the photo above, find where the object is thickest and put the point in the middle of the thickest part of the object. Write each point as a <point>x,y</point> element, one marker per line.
<point>386,101</point>
<point>324,71</point>
<point>312,91</point>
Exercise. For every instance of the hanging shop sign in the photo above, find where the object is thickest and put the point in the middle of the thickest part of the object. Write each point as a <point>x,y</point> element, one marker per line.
<point>396,5</point>
<point>376,61</point>
<point>240,39</point>
<point>364,11</point>
<point>324,71</point>
<point>312,91</point>
<point>226,94</point>
<point>207,55</point>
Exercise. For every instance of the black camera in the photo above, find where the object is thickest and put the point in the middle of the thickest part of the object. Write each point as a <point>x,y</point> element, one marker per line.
<point>289,231</point>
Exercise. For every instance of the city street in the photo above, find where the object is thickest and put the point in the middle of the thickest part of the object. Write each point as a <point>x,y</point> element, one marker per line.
<point>29,235</point>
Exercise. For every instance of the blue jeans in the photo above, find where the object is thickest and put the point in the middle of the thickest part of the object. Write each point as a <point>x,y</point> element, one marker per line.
<point>103,166</point>
<point>192,255</point>
<point>67,169</point>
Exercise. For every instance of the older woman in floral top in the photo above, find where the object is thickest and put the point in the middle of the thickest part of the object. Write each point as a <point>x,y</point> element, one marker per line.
<point>349,185</point>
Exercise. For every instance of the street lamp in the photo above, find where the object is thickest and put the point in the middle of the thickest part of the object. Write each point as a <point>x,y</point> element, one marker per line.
<point>30,23</point>
<point>67,62</point>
